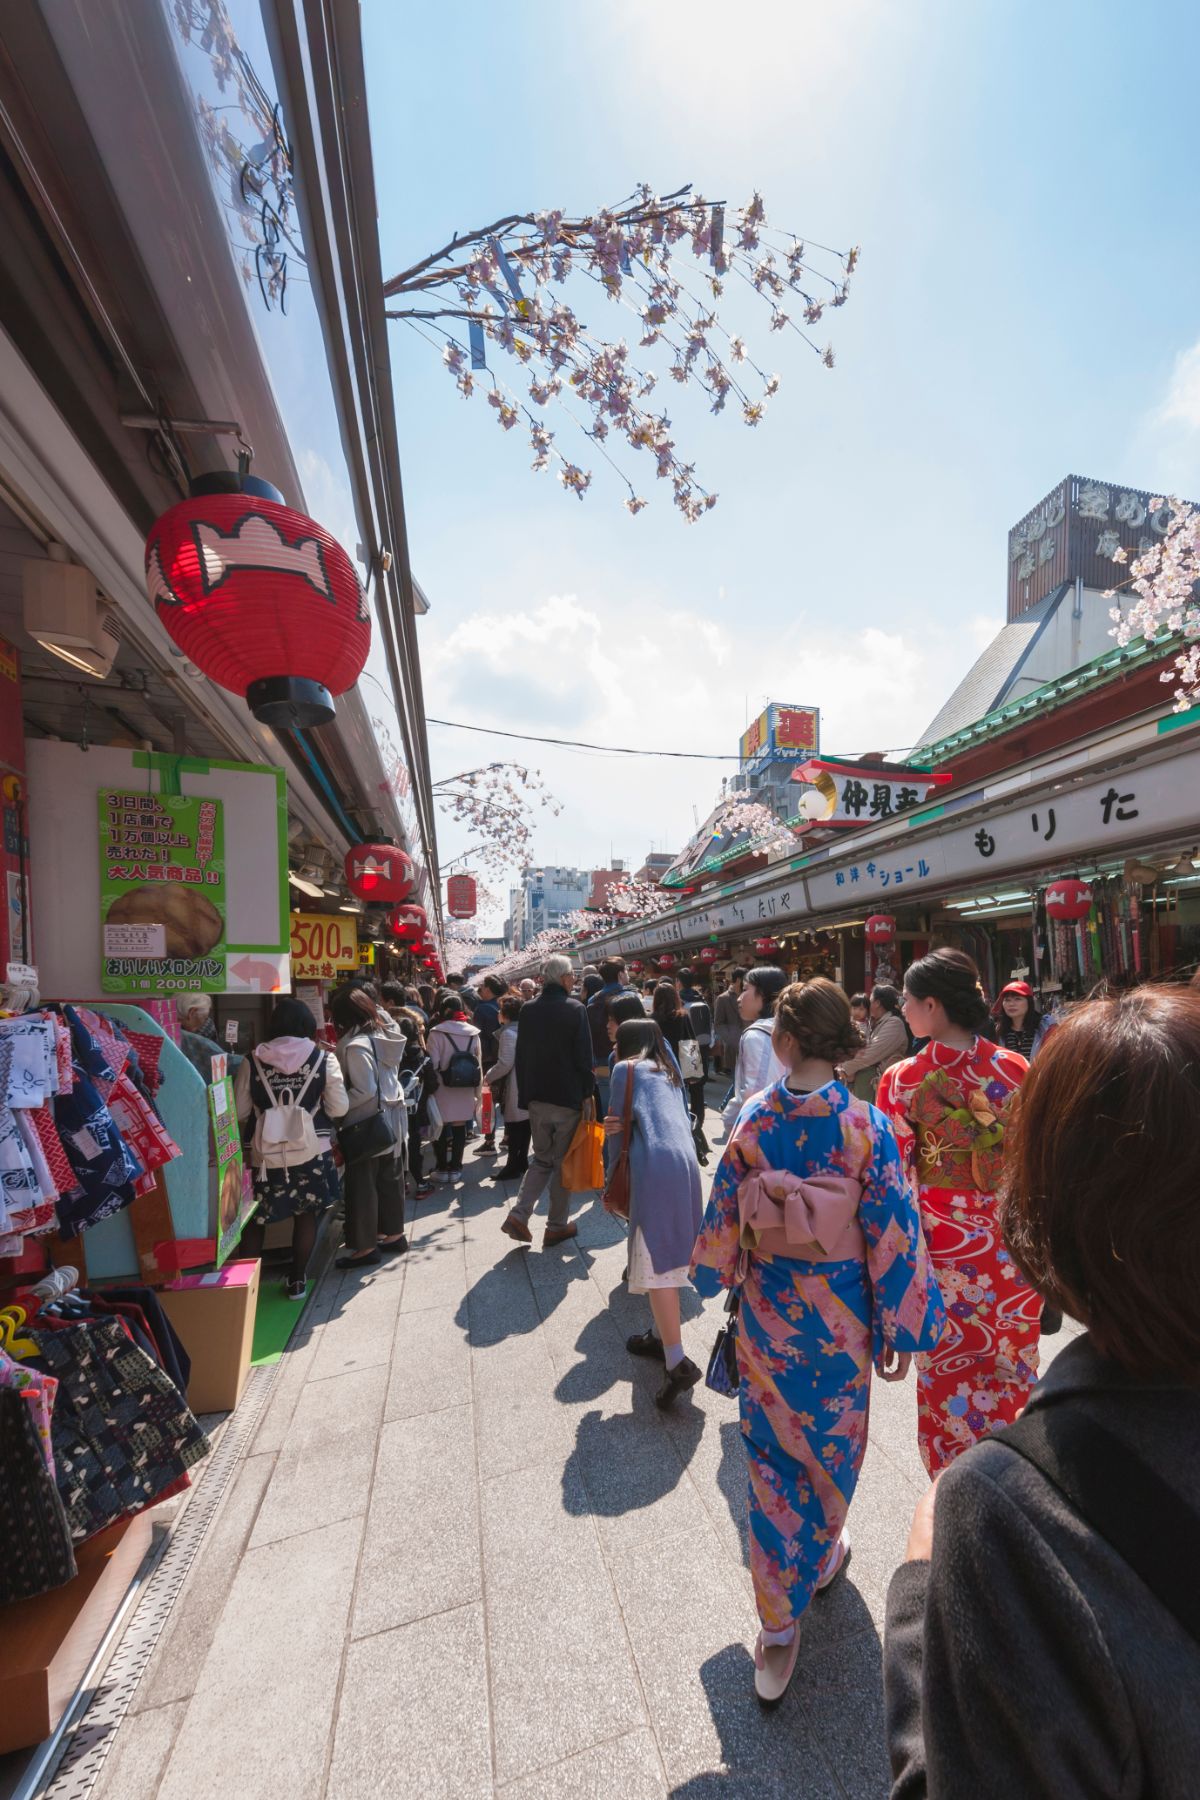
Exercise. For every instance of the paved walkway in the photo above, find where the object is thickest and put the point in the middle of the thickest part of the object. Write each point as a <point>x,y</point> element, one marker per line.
<point>466,1556</point>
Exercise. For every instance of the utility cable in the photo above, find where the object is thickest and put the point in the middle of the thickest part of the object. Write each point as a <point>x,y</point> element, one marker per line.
<point>526,737</point>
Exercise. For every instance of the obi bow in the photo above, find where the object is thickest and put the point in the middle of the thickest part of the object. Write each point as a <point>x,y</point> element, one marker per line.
<point>782,1214</point>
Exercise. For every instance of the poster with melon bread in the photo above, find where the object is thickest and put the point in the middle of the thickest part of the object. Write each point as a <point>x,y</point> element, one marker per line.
<point>162,893</point>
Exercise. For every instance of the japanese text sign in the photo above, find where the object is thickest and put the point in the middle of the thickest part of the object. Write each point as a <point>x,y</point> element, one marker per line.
<point>324,946</point>
<point>162,893</point>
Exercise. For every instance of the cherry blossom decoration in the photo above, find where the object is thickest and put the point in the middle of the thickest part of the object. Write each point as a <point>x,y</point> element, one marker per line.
<point>1165,578</point>
<point>495,298</point>
<point>496,802</point>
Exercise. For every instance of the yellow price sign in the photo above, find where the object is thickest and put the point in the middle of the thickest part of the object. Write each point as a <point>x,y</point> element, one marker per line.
<point>324,946</point>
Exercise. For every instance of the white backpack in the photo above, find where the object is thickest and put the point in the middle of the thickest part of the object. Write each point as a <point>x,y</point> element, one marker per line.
<point>285,1135</point>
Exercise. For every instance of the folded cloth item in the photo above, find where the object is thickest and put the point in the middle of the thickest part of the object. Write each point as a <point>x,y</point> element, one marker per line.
<point>813,1217</point>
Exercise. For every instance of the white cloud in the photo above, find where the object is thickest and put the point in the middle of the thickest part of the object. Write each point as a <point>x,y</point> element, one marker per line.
<point>1166,442</point>
<point>667,679</point>
<point>1180,405</point>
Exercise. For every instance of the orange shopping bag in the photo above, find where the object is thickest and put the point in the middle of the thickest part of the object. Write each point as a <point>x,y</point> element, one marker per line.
<point>583,1165</point>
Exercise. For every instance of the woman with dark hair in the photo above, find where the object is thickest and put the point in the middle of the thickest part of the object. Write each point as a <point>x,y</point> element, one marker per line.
<point>887,1042</point>
<point>371,1049</point>
<point>290,1069</point>
<point>757,1065</point>
<point>1019,1022</point>
<point>813,1220</point>
<point>665,1209</point>
<point>675,1022</point>
<point>950,1104</point>
<point>502,1079</point>
<point>1043,1638</point>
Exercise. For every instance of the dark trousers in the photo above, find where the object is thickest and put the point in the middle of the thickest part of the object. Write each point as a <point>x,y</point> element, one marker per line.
<point>374,1201</point>
<point>450,1147</point>
<point>518,1145</point>
<point>416,1148</point>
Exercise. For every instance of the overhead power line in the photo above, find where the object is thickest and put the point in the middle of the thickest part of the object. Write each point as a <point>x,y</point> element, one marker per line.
<point>526,737</point>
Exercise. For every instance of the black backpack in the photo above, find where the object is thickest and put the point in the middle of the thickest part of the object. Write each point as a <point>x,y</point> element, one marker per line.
<point>464,1070</point>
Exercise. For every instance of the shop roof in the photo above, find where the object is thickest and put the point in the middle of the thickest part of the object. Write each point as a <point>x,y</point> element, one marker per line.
<point>993,672</point>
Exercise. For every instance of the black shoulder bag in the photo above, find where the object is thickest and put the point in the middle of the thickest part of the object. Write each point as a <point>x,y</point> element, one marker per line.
<point>372,1136</point>
<point>1124,1500</point>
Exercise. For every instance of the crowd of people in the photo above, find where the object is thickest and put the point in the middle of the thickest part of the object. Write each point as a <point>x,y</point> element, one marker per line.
<point>904,1178</point>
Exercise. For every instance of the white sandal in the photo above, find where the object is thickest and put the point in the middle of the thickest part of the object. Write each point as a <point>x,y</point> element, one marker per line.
<point>774,1666</point>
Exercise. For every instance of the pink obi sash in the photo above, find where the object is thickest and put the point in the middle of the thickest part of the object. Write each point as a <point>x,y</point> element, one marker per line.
<point>781,1214</point>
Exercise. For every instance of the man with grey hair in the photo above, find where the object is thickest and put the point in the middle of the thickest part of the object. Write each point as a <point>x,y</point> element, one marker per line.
<point>554,1078</point>
<point>198,1035</point>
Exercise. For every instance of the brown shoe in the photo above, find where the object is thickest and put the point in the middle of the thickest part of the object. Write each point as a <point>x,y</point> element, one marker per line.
<point>558,1234</point>
<point>517,1228</point>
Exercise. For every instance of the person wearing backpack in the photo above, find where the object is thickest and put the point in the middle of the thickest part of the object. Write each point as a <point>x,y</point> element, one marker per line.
<point>293,1090</point>
<point>757,1065</point>
<point>371,1049</point>
<point>454,1050</point>
<point>700,1013</point>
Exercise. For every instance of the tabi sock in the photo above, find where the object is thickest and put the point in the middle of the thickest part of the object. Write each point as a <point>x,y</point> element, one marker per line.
<point>775,1639</point>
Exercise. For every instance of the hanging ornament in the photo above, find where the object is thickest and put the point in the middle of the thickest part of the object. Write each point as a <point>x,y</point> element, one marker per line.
<point>379,871</point>
<point>880,928</point>
<point>261,598</point>
<point>409,924</point>
<point>667,960</point>
<point>766,946</point>
<point>709,954</point>
<point>636,968</point>
<point>813,804</point>
<point>1069,898</point>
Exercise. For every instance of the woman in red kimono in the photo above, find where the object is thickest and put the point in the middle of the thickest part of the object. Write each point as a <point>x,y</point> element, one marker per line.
<point>949,1104</point>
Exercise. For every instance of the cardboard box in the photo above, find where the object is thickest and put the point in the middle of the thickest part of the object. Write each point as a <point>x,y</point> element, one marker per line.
<point>214,1315</point>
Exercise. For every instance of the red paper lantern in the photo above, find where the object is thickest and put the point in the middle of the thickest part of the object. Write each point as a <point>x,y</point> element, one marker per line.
<point>880,928</point>
<point>636,968</point>
<point>1068,899</point>
<point>381,871</point>
<point>409,924</point>
<point>766,946</point>
<point>261,598</point>
<point>667,960</point>
<point>709,954</point>
<point>461,896</point>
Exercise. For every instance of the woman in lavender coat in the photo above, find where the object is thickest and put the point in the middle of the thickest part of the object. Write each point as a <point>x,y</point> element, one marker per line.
<point>664,1210</point>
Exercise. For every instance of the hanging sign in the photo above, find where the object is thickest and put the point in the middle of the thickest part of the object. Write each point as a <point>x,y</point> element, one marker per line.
<point>461,896</point>
<point>855,796</point>
<point>235,1193</point>
<point>324,945</point>
<point>162,893</point>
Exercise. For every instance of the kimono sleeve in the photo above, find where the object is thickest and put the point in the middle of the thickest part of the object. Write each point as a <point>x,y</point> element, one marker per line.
<point>715,1257</point>
<point>907,1314</point>
<point>890,1101</point>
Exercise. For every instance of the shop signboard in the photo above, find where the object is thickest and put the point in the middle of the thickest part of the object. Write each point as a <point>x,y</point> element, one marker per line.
<point>162,892</point>
<point>852,796</point>
<point>781,732</point>
<point>235,1193</point>
<point>324,946</point>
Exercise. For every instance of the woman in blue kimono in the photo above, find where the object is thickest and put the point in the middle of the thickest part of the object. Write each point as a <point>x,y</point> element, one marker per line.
<point>812,1216</point>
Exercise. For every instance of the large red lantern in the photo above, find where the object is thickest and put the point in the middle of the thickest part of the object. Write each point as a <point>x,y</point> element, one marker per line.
<point>461,896</point>
<point>409,924</point>
<point>261,598</point>
<point>709,954</point>
<point>1068,899</point>
<point>766,946</point>
<point>880,928</point>
<point>636,967</point>
<point>379,871</point>
<point>667,960</point>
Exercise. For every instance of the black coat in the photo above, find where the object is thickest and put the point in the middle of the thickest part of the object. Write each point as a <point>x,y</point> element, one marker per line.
<point>554,1050</point>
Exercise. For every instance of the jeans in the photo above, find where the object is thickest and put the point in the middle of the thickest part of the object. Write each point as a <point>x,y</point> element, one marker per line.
<point>450,1147</point>
<point>552,1128</point>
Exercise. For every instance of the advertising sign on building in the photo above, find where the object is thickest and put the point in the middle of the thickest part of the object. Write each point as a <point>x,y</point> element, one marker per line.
<point>324,946</point>
<point>461,896</point>
<point>782,731</point>
<point>1072,535</point>
<point>847,794</point>
<point>235,1194</point>
<point>162,892</point>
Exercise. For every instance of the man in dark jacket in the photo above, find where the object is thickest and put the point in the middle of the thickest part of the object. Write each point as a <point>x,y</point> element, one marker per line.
<point>612,974</point>
<point>554,1078</point>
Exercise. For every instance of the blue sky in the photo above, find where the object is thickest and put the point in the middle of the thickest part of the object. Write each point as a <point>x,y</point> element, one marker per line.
<point>1026,306</point>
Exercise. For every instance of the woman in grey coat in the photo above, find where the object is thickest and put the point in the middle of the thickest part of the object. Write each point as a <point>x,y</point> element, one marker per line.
<point>1043,1637</point>
<point>664,1210</point>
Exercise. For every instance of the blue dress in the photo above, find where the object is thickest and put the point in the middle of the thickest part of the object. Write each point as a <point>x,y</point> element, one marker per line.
<point>809,1330</point>
<point>664,1174</point>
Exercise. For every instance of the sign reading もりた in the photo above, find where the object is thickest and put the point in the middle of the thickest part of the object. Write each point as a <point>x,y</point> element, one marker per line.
<point>162,893</point>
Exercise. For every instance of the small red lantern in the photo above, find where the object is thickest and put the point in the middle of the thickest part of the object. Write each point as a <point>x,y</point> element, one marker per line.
<point>667,960</point>
<point>766,946</point>
<point>409,924</point>
<point>461,897</point>
<point>380,871</point>
<point>1068,899</point>
<point>635,967</point>
<point>708,954</point>
<point>880,928</point>
<point>261,598</point>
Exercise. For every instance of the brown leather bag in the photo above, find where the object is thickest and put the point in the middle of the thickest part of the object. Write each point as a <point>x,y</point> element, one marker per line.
<point>617,1187</point>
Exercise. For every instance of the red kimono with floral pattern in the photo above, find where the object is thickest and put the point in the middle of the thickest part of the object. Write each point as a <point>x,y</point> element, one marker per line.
<point>949,1108</point>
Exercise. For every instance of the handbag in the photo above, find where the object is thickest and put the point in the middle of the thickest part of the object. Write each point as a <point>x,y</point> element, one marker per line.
<point>583,1165</point>
<point>370,1137</point>
<point>618,1187</point>
<point>722,1374</point>
<point>691,1062</point>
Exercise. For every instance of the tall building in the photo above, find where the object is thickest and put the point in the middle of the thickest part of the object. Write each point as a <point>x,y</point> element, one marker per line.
<point>544,899</point>
<point>655,866</point>
<point>603,881</point>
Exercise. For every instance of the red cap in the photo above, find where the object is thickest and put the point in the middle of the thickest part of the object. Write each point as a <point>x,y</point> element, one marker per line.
<point>1014,987</point>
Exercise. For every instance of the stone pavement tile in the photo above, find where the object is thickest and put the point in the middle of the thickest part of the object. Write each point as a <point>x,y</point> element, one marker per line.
<point>134,1766</point>
<point>435,1272</point>
<point>323,1472</point>
<point>358,1333</point>
<point>635,1475</point>
<point>692,1625</point>
<point>499,1304</point>
<point>717,1467</point>
<point>880,1515</point>
<point>533,1518</point>
<point>627,1766</point>
<point>518,1421</point>
<point>291,1372</point>
<point>174,1668</point>
<point>431,1364</point>
<point>261,1716</point>
<point>841,1691</point>
<point>413,1719</point>
<point>421,1550</point>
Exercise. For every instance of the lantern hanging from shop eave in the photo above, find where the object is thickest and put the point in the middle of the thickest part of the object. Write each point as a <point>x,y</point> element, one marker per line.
<point>880,928</point>
<point>379,871</point>
<point>667,960</point>
<point>709,954</point>
<point>766,946</point>
<point>636,967</point>
<point>261,598</point>
<point>1068,899</point>
<point>461,896</point>
<point>409,924</point>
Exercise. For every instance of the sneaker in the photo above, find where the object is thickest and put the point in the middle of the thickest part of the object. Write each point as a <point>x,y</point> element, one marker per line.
<point>516,1228</point>
<point>440,1177</point>
<point>295,1290</point>
<point>836,1561</point>
<point>646,1343</point>
<point>676,1381</point>
<point>487,1147</point>
<point>424,1188</point>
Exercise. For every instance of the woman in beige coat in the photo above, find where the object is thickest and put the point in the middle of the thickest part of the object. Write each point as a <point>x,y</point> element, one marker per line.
<point>887,1043</point>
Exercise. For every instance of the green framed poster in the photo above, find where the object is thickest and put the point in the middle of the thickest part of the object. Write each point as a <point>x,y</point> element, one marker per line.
<point>235,1191</point>
<point>162,892</point>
